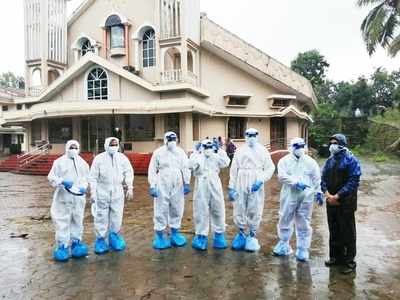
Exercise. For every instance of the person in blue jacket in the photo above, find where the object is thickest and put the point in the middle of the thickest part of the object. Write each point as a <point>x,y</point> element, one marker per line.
<point>340,180</point>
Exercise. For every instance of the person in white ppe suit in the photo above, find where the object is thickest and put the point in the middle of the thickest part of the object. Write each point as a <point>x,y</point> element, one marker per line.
<point>110,171</point>
<point>208,198</point>
<point>69,175</point>
<point>252,166</point>
<point>169,180</point>
<point>300,177</point>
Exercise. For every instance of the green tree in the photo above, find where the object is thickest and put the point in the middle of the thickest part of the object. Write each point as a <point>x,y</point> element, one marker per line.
<point>9,79</point>
<point>384,88</point>
<point>312,65</point>
<point>380,25</point>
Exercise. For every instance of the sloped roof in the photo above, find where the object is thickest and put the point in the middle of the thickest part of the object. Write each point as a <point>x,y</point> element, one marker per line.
<point>232,48</point>
<point>92,59</point>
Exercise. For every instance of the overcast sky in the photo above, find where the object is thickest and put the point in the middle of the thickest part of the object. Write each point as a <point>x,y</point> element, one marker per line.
<point>281,28</point>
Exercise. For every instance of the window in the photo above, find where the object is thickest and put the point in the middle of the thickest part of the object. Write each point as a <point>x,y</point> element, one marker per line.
<point>139,128</point>
<point>4,108</point>
<point>237,101</point>
<point>19,106</point>
<point>86,47</point>
<point>149,49</point>
<point>60,130</point>
<point>280,103</point>
<point>172,123</point>
<point>97,85</point>
<point>236,128</point>
<point>116,31</point>
<point>117,38</point>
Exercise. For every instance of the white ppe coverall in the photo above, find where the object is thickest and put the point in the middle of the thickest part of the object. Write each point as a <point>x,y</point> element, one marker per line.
<point>250,164</point>
<point>67,210</point>
<point>108,174</point>
<point>208,199</point>
<point>296,205</point>
<point>168,172</point>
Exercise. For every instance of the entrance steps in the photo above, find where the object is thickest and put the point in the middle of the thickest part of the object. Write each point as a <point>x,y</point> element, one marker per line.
<point>42,165</point>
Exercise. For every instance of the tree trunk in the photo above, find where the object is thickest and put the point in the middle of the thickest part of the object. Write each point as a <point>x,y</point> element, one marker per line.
<point>394,146</point>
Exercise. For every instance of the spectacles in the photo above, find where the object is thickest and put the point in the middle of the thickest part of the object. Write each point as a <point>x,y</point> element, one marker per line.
<point>208,146</point>
<point>251,134</point>
<point>171,138</point>
<point>298,146</point>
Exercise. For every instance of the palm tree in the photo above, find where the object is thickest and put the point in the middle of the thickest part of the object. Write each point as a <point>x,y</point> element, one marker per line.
<point>381,25</point>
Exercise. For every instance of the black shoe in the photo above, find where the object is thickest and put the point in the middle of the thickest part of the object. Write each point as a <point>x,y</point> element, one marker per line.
<point>349,268</point>
<point>332,262</point>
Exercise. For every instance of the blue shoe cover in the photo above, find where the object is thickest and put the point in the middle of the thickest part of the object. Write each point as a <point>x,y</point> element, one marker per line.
<point>61,253</point>
<point>177,238</point>
<point>100,246</point>
<point>239,242</point>
<point>302,255</point>
<point>282,249</point>
<point>159,242</point>
<point>252,244</point>
<point>79,249</point>
<point>117,242</point>
<point>200,242</point>
<point>220,241</point>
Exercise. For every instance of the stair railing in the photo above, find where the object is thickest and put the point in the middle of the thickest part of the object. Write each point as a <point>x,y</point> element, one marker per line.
<point>33,155</point>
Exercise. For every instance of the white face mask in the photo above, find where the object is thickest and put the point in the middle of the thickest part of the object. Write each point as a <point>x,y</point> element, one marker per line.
<point>72,153</point>
<point>335,148</point>
<point>299,152</point>
<point>112,150</point>
<point>252,141</point>
<point>208,152</point>
<point>171,146</point>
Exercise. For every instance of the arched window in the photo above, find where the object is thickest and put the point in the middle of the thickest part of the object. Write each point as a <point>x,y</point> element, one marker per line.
<point>149,48</point>
<point>86,47</point>
<point>117,31</point>
<point>97,85</point>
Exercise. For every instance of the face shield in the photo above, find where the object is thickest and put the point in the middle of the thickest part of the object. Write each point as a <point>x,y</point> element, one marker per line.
<point>251,137</point>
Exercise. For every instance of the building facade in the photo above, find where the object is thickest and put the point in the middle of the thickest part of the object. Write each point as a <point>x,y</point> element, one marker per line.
<point>138,68</point>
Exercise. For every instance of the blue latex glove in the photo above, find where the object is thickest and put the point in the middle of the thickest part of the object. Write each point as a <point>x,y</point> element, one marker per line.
<point>301,186</point>
<point>154,193</point>
<point>198,147</point>
<point>215,146</point>
<point>232,194</point>
<point>256,186</point>
<point>82,190</point>
<point>67,184</point>
<point>319,199</point>
<point>186,189</point>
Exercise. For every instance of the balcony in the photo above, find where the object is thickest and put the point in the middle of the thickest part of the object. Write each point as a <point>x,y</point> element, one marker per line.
<point>176,76</point>
<point>35,91</point>
<point>171,76</point>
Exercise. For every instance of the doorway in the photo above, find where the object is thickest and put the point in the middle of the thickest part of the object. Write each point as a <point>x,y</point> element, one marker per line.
<point>278,133</point>
<point>94,132</point>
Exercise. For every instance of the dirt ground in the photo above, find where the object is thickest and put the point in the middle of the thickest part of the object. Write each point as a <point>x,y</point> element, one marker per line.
<point>27,270</point>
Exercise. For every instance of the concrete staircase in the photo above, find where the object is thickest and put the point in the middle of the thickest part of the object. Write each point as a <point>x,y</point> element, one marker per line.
<point>42,165</point>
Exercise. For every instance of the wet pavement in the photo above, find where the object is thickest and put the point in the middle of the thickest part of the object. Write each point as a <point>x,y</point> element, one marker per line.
<point>28,272</point>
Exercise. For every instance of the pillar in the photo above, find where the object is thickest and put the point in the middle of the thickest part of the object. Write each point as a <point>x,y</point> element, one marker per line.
<point>76,128</point>
<point>186,131</point>
<point>44,136</point>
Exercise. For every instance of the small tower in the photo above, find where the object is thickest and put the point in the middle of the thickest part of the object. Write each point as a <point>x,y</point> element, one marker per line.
<point>180,40</point>
<point>45,43</point>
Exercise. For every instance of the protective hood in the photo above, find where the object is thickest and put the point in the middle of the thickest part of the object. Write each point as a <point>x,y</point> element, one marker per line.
<point>108,141</point>
<point>251,136</point>
<point>340,138</point>
<point>168,134</point>
<point>297,147</point>
<point>69,144</point>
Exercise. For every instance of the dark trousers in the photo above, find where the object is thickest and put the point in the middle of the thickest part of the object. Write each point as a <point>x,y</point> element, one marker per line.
<point>342,234</point>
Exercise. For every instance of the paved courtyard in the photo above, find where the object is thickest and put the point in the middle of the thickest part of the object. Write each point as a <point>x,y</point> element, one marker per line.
<point>28,272</point>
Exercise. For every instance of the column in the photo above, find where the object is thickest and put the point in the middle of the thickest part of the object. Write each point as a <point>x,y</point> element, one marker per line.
<point>186,131</point>
<point>76,128</point>
<point>159,127</point>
